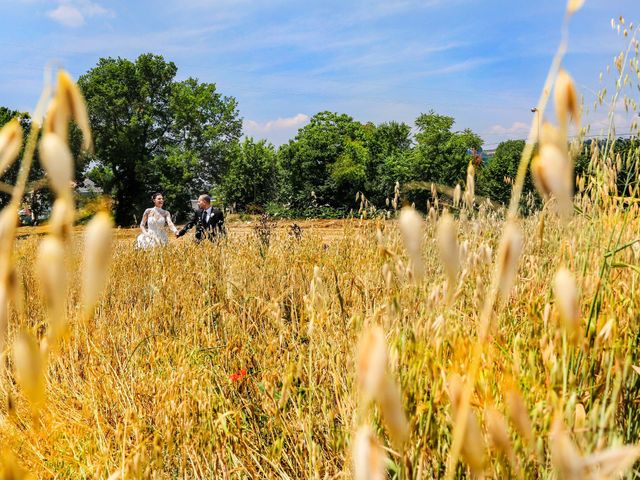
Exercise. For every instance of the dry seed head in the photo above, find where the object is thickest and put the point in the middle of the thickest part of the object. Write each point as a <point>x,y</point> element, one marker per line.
<point>368,457</point>
<point>469,194</point>
<point>552,135</point>
<point>56,159</point>
<point>433,215</point>
<point>29,372</point>
<point>70,96</point>
<point>56,119</point>
<point>463,251</point>
<point>474,447</point>
<point>498,431</point>
<point>380,237</point>
<point>606,330</point>
<point>546,314</point>
<point>10,144</point>
<point>565,293</point>
<point>387,275</point>
<point>611,463</point>
<point>508,257</point>
<point>457,195</point>
<point>97,252</point>
<point>372,362</point>
<point>518,414</point>
<point>4,314</point>
<point>552,172</point>
<point>566,99</point>
<point>455,385</point>
<point>564,455</point>
<point>438,325</point>
<point>447,236</point>
<point>62,218</point>
<point>580,418</point>
<point>390,400</point>
<point>574,5</point>
<point>486,253</point>
<point>411,229</point>
<point>53,278</point>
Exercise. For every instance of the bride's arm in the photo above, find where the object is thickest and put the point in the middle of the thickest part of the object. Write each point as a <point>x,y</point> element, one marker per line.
<point>143,223</point>
<point>170,223</point>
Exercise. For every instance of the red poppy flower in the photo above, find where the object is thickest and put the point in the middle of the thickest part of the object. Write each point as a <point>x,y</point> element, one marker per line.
<point>239,375</point>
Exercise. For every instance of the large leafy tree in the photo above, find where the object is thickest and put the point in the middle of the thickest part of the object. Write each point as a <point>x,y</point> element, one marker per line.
<point>11,174</point>
<point>442,153</point>
<point>206,124</point>
<point>390,158</point>
<point>37,193</point>
<point>251,177</point>
<point>495,178</point>
<point>308,160</point>
<point>152,132</point>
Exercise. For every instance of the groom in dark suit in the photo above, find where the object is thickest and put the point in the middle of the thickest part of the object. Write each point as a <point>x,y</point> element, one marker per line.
<point>208,220</point>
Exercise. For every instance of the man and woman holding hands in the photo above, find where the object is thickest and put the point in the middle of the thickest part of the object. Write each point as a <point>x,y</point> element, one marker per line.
<point>208,220</point>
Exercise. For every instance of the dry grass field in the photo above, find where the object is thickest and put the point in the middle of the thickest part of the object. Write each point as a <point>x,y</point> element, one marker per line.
<point>238,359</point>
<point>471,343</point>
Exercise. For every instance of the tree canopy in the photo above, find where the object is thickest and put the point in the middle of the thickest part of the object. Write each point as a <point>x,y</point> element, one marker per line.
<point>152,132</point>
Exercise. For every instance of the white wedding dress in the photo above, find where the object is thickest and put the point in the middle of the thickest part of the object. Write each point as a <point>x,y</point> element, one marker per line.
<point>154,221</point>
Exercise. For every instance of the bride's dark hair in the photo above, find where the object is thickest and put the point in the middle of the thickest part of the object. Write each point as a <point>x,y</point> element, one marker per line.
<point>153,197</point>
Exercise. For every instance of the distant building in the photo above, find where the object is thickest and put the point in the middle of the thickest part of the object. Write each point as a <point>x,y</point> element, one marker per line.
<point>88,187</point>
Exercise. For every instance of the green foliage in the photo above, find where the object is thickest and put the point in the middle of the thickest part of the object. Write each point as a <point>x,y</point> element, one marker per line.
<point>307,161</point>
<point>102,175</point>
<point>494,179</point>
<point>442,154</point>
<point>174,172</point>
<point>349,172</point>
<point>37,193</point>
<point>390,160</point>
<point>251,177</point>
<point>148,128</point>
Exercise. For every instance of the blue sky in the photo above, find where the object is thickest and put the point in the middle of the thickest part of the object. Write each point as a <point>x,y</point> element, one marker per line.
<point>483,62</point>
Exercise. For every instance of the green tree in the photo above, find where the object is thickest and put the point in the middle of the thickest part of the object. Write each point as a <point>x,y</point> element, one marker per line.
<point>251,177</point>
<point>140,115</point>
<point>495,179</point>
<point>390,160</point>
<point>174,172</point>
<point>37,195</point>
<point>348,173</point>
<point>307,161</point>
<point>207,124</point>
<point>443,154</point>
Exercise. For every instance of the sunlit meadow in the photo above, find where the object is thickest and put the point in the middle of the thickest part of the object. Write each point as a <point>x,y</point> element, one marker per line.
<point>467,342</point>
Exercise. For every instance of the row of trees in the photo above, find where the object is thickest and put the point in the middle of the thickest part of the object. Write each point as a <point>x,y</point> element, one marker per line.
<point>155,133</point>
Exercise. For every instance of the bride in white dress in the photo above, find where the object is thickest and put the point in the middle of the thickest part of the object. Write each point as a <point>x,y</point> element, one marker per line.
<point>153,225</point>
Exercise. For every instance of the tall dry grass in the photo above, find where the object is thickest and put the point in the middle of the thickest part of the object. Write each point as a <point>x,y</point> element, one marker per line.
<point>147,387</point>
<point>396,349</point>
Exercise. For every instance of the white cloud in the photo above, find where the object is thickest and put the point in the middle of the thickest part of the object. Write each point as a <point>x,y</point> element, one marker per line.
<point>516,127</point>
<point>67,15</point>
<point>253,127</point>
<point>73,13</point>
<point>277,131</point>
